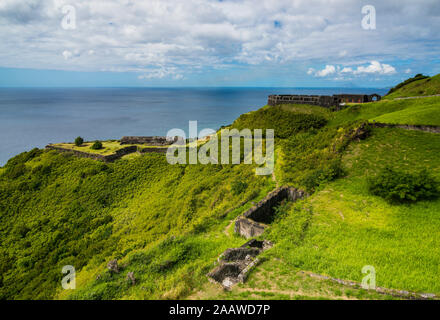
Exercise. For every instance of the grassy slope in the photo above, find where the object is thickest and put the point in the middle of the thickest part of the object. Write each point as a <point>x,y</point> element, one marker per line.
<point>424,111</point>
<point>168,224</point>
<point>425,87</point>
<point>62,210</point>
<point>108,147</point>
<point>341,228</point>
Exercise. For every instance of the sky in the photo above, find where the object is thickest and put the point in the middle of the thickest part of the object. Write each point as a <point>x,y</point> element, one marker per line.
<point>184,43</point>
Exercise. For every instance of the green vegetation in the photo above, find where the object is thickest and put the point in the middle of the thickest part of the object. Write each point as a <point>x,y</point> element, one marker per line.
<point>165,223</point>
<point>396,186</point>
<point>418,86</point>
<point>285,123</point>
<point>97,145</point>
<point>424,111</point>
<point>417,77</point>
<point>79,141</point>
<point>342,227</point>
<point>168,223</point>
<point>108,147</point>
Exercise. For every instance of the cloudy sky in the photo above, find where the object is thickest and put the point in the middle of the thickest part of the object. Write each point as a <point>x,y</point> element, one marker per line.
<point>299,43</point>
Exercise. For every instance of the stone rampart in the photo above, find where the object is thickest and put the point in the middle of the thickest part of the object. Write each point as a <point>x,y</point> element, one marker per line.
<point>106,158</point>
<point>152,141</point>
<point>253,222</point>
<point>432,129</point>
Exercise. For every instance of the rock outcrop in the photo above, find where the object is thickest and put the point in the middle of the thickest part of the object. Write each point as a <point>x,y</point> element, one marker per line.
<point>113,266</point>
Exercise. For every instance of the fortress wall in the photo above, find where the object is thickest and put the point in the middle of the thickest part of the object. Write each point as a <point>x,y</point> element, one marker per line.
<point>432,129</point>
<point>152,141</point>
<point>323,101</point>
<point>253,222</point>
<point>153,150</point>
<point>108,158</point>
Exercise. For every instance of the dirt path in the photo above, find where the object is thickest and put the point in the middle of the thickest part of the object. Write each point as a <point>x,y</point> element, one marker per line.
<point>228,226</point>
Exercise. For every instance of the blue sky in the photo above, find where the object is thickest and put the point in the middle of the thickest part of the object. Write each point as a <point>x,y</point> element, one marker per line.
<point>294,43</point>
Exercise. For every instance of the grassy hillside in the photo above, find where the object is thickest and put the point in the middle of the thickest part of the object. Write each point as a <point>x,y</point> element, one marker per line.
<point>163,222</point>
<point>423,87</point>
<point>168,223</point>
<point>423,111</point>
<point>342,227</point>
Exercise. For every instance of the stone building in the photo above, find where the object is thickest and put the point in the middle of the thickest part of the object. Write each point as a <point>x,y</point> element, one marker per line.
<point>323,101</point>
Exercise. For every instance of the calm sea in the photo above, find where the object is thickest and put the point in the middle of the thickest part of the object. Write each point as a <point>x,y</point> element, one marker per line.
<point>35,117</point>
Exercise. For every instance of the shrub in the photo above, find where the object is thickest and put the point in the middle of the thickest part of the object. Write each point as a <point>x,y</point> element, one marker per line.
<point>398,186</point>
<point>13,172</point>
<point>284,123</point>
<point>238,187</point>
<point>79,141</point>
<point>97,145</point>
<point>324,174</point>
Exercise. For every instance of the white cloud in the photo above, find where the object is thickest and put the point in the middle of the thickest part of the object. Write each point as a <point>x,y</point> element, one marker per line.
<point>329,69</point>
<point>376,67</point>
<point>142,36</point>
<point>69,54</point>
<point>161,73</point>
<point>347,70</point>
<point>408,71</point>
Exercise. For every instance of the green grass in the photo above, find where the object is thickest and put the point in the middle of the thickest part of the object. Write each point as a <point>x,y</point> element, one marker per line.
<point>425,87</point>
<point>169,223</point>
<point>342,228</point>
<point>306,109</point>
<point>61,210</point>
<point>274,279</point>
<point>419,112</point>
<point>425,111</point>
<point>108,147</point>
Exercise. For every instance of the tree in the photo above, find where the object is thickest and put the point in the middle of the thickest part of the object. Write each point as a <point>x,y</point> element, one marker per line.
<point>79,141</point>
<point>97,145</point>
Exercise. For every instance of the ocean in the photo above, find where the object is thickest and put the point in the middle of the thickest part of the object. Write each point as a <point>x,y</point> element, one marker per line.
<point>35,117</point>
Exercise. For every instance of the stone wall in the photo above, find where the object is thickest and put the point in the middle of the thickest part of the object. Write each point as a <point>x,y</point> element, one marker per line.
<point>432,129</point>
<point>253,222</point>
<point>235,263</point>
<point>152,141</point>
<point>153,150</point>
<point>106,158</point>
<point>323,101</point>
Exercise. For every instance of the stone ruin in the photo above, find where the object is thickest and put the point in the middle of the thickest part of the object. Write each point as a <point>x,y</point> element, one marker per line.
<point>324,101</point>
<point>155,145</point>
<point>151,141</point>
<point>253,222</point>
<point>95,156</point>
<point>235,263</point>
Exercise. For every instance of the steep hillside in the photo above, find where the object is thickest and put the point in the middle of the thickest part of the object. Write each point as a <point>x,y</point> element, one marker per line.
<point>423,111</point>
<point>167,224</point>
<point>417,86</point>
<point>163,222</point>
